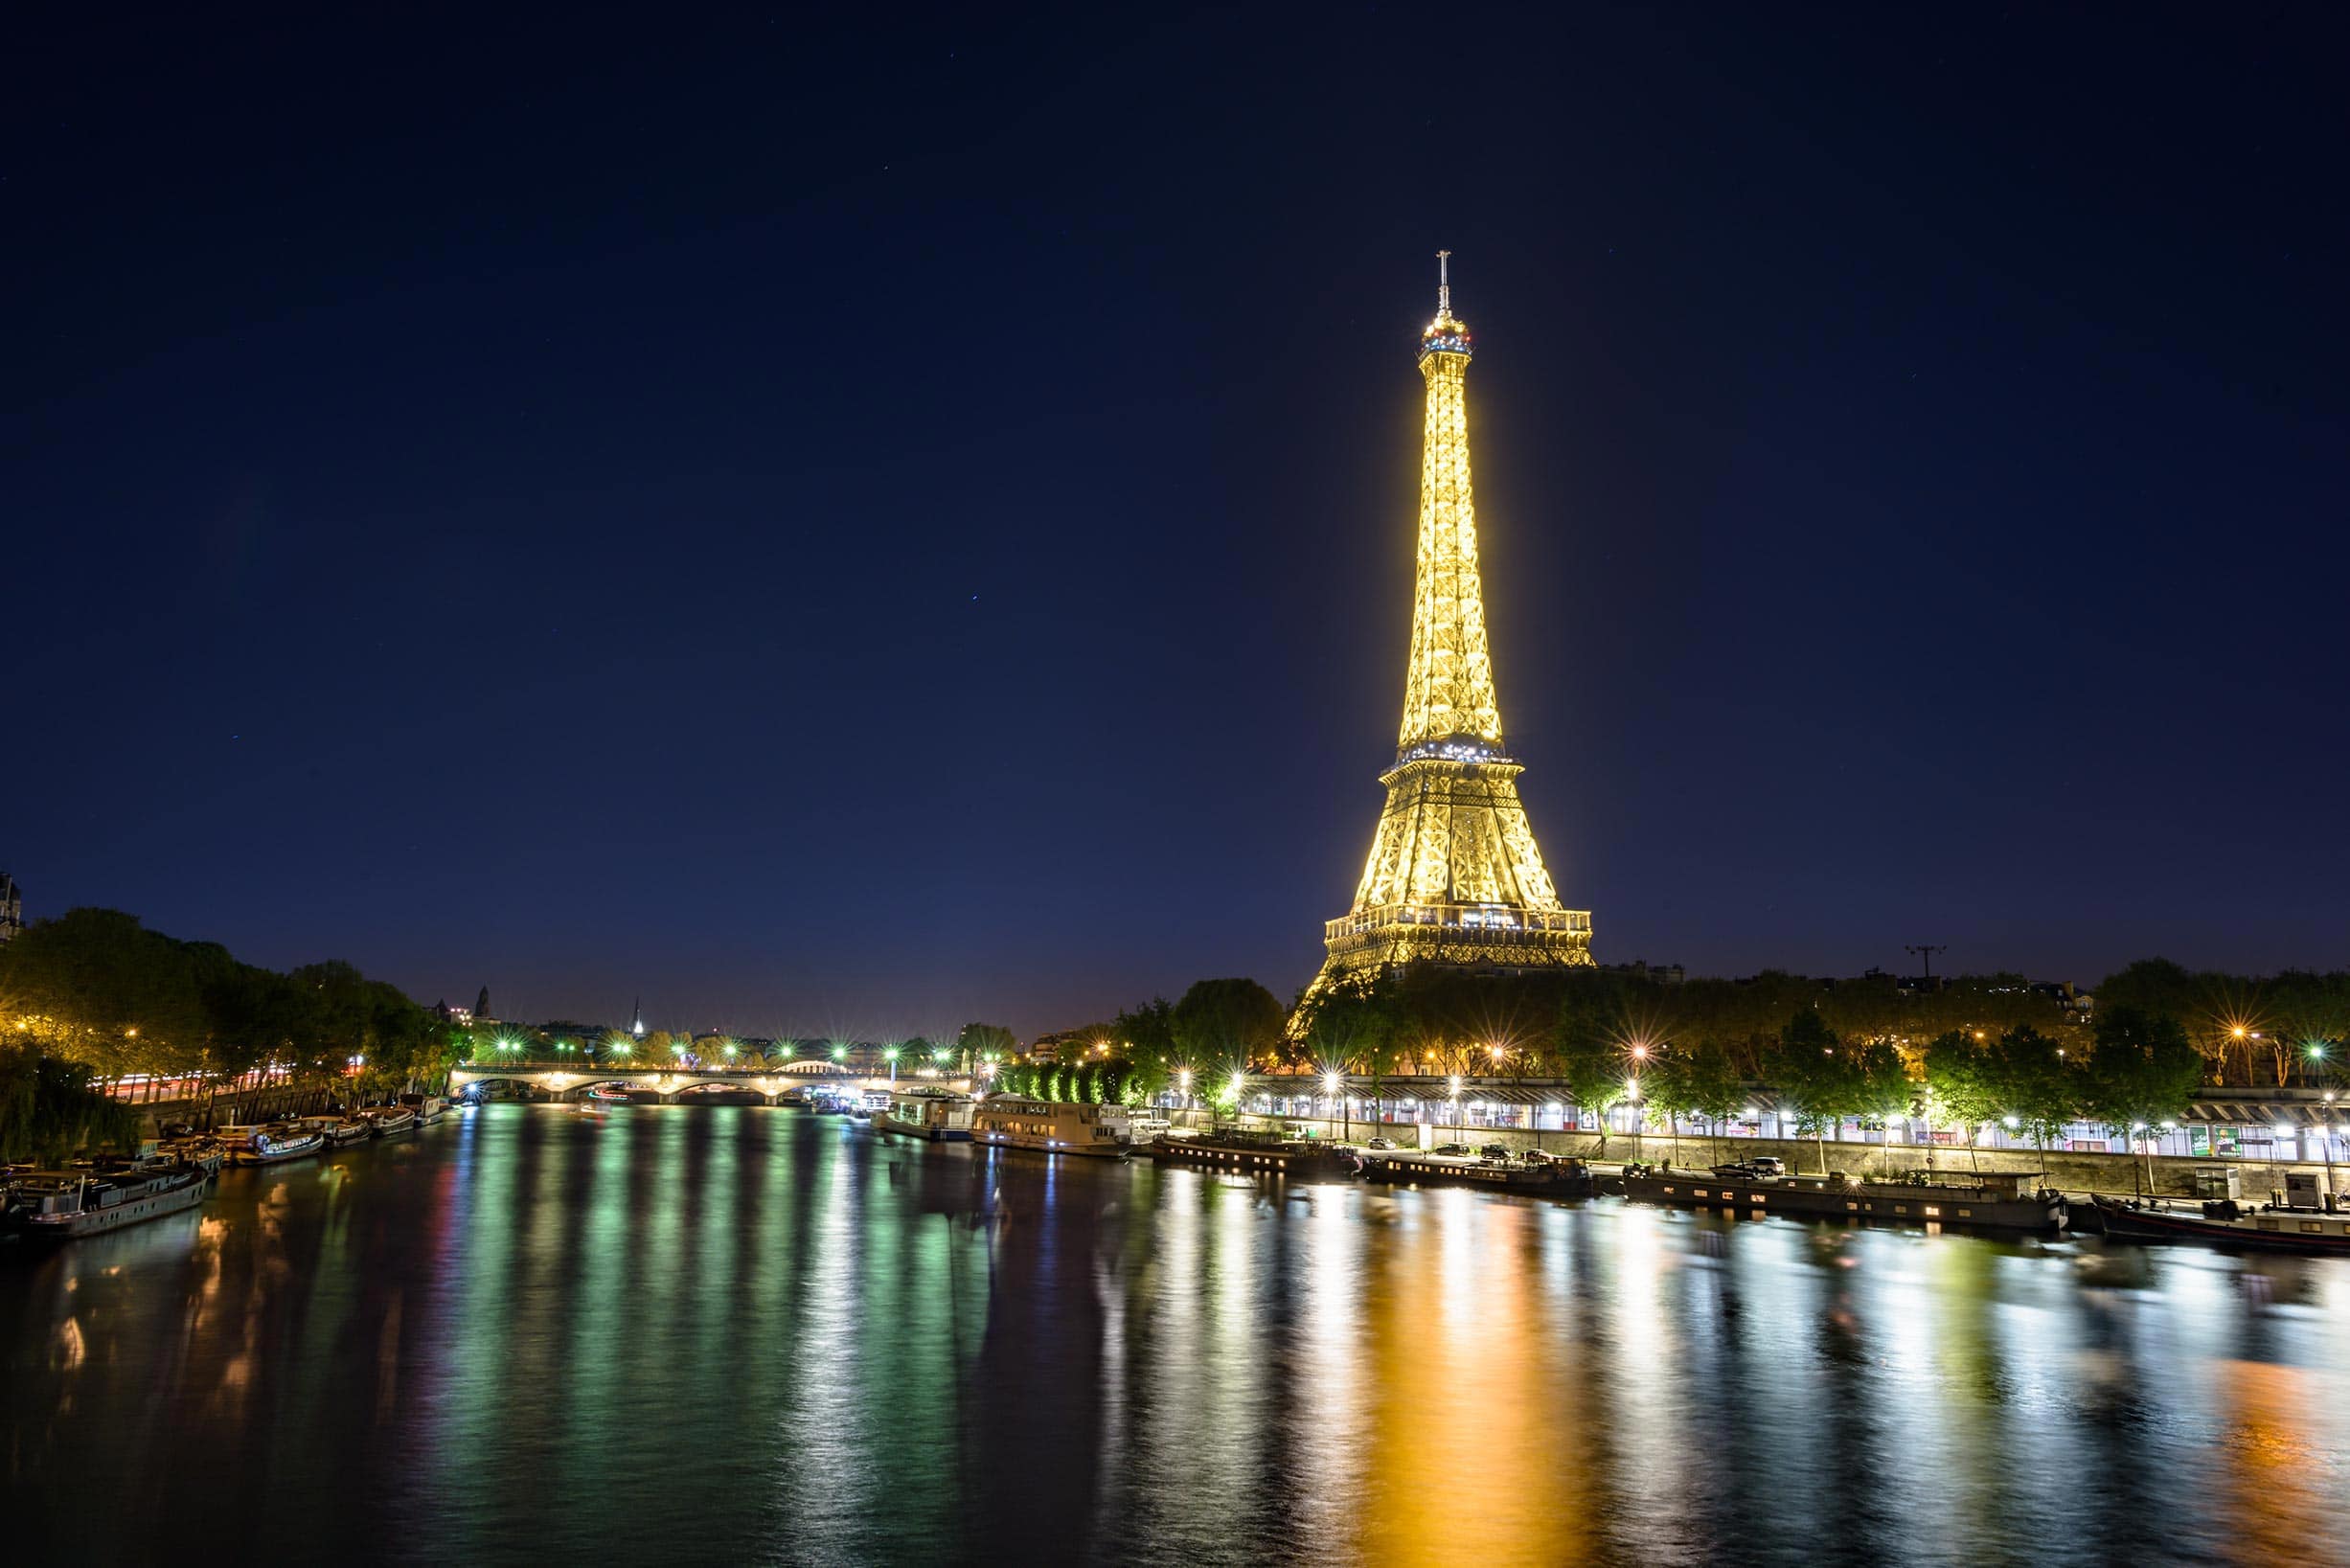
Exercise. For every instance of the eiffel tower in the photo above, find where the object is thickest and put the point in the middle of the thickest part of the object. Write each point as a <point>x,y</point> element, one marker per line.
<point>1454,876</point>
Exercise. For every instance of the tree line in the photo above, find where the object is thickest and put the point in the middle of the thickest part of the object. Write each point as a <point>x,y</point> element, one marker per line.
<point>100,997</point>
<point>1978,1050</point>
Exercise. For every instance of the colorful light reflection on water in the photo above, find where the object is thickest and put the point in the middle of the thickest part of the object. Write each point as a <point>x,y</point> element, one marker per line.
<point>753,1334</point>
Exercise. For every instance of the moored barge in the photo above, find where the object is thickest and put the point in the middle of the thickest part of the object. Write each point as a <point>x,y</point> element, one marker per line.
<point>1545,1177</point>
<point>936,1117</point>
<point>1248,1153</point>
<point>2004,1201</point>
<point>2227,1223</point>
<point>62,1205</point>
<point>1052,1126</point>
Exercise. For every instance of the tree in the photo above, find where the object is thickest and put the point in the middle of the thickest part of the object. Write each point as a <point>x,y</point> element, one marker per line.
<point>1586,1053</point>
<point>1696,1080</point>
<point>986,1042</point>
<point>95,986</point>
<point>1961,1086</point>
<point>2143,1073</point>
<point>1227,1023</point>
<point>1812,1067</point>
<point>2035,1081</point>
<point>49,1110</point>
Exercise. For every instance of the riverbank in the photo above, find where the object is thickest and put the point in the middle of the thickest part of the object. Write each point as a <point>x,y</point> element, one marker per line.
<point>2070,1171</point>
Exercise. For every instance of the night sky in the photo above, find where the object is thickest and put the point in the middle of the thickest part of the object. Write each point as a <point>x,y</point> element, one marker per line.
<point>859,527</point>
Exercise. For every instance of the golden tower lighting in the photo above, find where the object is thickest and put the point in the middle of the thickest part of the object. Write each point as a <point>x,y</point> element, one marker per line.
<point>1454,876</point>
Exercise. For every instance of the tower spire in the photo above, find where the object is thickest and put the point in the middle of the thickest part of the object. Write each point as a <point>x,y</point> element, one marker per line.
<point>1444,285</point>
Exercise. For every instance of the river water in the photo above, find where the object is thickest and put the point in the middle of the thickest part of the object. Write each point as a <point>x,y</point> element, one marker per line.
<point>749,1334</point>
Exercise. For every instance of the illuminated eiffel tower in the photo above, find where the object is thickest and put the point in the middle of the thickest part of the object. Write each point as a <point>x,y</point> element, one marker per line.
<point>1454,876</point>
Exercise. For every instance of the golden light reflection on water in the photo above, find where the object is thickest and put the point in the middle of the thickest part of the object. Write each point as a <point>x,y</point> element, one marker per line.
<point>784,1339</point>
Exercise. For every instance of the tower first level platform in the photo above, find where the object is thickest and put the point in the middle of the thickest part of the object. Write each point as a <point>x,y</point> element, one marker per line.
<point>1454,876</point>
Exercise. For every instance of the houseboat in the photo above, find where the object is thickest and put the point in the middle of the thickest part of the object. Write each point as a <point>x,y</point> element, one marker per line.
<point>62,1205</point>
<point>2227,1223</point>
<point>268,1144</point>
<point>1054,1126</point>
<point>196,1149</point>
<point>383,1120</point>
<point>1252,1153</point>
<point>1497,1170</point>
<point>339,1130</point>
<point>2000,1201</point>
<point>429,1107</point>
<point>940,1118</point>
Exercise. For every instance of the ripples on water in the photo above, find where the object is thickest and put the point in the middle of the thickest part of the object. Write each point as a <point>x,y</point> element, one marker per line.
<point>743,1334</point>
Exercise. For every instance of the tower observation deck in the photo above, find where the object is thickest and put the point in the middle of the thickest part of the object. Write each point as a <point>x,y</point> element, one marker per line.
<point>1454,876</point>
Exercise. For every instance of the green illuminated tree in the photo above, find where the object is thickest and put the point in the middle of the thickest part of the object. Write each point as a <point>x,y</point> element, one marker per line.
<point>1225,1023</point>
<point>1962,1086</point>
<point>977,1043</point>
<point>1697,1080</point>
<point>2035,1081</point>
<point>2144,1072</point>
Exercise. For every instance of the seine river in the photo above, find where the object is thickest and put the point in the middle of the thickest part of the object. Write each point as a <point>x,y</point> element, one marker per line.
<point>732,1334</point>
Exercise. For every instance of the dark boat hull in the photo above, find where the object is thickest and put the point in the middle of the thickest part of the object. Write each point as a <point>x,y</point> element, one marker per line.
<point>1564,1180</point>
<point>1254,1159</point>
<point>1881,1205</point>
<point>2309,1233</point>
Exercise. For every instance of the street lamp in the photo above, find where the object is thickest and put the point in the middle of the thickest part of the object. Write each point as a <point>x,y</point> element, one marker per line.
<point>1334,1083</point>
<point>1184,1086</point>
<point>2325,1137</point>
<point>892,1055</point>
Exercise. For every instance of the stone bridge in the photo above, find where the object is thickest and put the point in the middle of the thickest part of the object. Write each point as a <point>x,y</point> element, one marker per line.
<point>677,1084</point>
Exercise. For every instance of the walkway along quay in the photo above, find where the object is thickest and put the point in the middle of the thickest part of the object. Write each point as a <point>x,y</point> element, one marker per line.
<point>2264,1134</point>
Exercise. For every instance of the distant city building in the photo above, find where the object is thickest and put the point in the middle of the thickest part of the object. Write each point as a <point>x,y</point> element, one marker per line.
<point>637,1019</point>
<point>1640,969</point>
<point>462,1017</point>
<point>1068,1045</point>
<point>11,907</point>
<point>481,1006</point>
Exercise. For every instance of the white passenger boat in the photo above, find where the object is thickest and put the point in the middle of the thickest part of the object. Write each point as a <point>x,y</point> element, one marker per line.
<point>385,1120</point>
<point>429,1107</point>
<point>1054,1126</point>
<point>60,1205</point>
<point>940,1118</point>
<point>268,1144</point>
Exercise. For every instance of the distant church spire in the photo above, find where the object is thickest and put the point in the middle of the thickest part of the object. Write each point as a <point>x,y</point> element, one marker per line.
<point>637,1019</point>
<point>481,1003</point>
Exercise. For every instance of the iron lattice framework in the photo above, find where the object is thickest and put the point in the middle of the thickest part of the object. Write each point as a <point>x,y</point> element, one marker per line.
<point>1454,876</point>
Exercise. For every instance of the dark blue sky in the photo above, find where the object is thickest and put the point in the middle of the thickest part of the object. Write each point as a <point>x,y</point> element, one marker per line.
<point>860,530</point>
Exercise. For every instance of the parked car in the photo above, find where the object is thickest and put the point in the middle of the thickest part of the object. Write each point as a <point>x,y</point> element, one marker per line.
<point>1450,1149</point>
<point>1495,1151</point>
<point>1379,1142</point>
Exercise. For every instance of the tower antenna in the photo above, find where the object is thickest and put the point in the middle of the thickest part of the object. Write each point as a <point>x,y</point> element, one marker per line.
<point>1444,284</point>
<point>1927,953</point>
